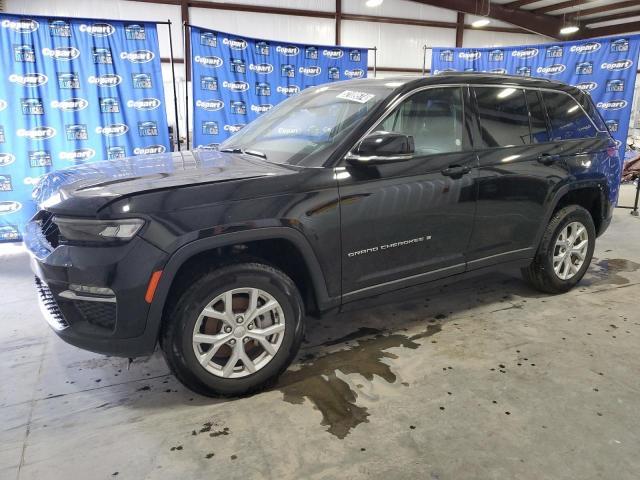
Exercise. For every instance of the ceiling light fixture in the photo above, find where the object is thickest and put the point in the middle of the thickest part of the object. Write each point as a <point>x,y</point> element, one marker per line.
<point>483,22</point>
<point>373,3</point>
<point>571,26</point>
<point>568,30</point>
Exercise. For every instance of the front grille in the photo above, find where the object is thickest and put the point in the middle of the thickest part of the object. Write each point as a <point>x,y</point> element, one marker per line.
<point>100,314</point>
<point>49,306</point>
<point>48,228</point>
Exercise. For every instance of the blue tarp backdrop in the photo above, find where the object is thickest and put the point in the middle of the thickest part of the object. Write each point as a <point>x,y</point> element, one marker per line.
<point>605,68</point>
<point>236,78</point>
<point>73,91</point>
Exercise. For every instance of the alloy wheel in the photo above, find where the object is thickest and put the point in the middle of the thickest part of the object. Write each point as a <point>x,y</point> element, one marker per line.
<point>238,332</point>
<point>570,250</point>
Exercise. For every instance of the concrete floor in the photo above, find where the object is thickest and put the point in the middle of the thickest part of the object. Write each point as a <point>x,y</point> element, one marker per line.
<point>481,379</point>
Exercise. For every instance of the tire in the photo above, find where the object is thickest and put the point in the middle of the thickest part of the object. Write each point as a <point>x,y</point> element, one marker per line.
<point>182,349</point>
<point>541,273</point>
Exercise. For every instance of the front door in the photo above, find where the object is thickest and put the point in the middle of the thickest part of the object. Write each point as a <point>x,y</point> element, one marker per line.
<point>410,221</point>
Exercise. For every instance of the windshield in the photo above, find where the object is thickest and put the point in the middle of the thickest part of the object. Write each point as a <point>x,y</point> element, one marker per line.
<point>302,129</point>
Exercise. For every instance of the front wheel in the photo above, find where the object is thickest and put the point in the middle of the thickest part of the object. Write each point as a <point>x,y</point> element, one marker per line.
<point>565,251</point>
<point>234,330</point>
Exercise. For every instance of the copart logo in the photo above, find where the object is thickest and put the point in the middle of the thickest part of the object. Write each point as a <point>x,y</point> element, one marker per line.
<point>37,133</point>
<point>554,69</point>
<point>333,54</point>
<point>9,207</point>
<point>61,53</point>
<point>474,55</point>
<point>3,104</point>
<point>612,104</point>
<point>25,25</point>
<point>234,128</point>
<point>29,80</point>
<point>80,154</point>
<point>617,65</point>
<point>144,104</point>
<point>587,86</point>
<point>288,51</point>
<point>210,105</point>
<point>98,29</point>
<point>106,80</point>
<point>261,68</point>
<point>525,53</point>
<point>149,150</point>
<point>585,48</point>
<point>237,86</point>
<point>139,56</point>
<point>7,159</point>
<point>31,180</point>
<point>113,130</point>
<point>70,105</point>
<point>213,62</point>
<point>310,71</point>
<point>235,43</point>
<point>289,90</point>
<point>261,108</point>
<point>355,73</point>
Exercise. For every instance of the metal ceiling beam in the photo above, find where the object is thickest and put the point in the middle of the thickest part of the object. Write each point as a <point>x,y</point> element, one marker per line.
<point>618,29</point>
<point>608,18</point>
<point>459,29</point>
<point>519,3</point>
<point>605,8</point>
<point>536,23</point>
<point>560,5</point>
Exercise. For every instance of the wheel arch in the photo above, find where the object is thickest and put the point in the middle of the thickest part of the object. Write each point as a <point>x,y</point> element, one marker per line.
<point>590,194</point>
<point>190,254</point>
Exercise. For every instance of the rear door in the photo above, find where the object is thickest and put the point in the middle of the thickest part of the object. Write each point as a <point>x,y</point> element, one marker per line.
<point>409,222</point>
<point>513,146</point>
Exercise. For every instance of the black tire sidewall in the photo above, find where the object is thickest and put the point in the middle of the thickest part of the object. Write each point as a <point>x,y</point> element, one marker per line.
<point>561,220</point>
<point>180,347</point>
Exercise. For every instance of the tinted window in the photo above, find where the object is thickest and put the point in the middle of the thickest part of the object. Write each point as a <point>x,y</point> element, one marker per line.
<point>433,117</point>
<point>504,118</point>
<point>567,118</point>
<point>539,132</point>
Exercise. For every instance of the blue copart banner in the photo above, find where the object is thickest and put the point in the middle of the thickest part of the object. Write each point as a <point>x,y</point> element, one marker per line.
<point>235,78</point>
<point>73,91</point>
<point>605,68</point>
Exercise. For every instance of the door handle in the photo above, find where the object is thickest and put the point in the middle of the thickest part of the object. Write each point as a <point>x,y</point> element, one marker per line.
<point>548,159</point>
<point>455,171</point>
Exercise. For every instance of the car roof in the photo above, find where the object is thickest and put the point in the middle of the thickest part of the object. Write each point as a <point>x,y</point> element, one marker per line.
<point>411,82</point>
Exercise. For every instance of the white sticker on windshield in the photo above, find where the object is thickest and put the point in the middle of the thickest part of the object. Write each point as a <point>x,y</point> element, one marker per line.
<point>360,97</point>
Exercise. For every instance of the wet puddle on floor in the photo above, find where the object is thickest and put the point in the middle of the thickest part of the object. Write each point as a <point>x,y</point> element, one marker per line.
<point>318,381</point>
<point>608,271</point>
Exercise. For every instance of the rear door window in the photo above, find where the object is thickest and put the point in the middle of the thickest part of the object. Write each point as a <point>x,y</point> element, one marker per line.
<point>568,119</point>
<point>504,117</point>
<point>539,130</point>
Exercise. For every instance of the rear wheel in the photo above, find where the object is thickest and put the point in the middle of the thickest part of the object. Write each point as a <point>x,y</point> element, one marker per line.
<point>565,251</point>
<point>234,330</point>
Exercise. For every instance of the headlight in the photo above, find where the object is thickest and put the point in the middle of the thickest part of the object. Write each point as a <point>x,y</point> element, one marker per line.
<point>81,230</point>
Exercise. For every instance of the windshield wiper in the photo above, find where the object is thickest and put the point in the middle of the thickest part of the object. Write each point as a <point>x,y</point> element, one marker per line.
<point>254,153</point>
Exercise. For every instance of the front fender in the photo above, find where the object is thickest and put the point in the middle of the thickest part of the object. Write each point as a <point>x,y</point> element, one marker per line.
<point>190,249</point>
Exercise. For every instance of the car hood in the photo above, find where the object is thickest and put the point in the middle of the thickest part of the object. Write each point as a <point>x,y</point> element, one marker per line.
<point>102,182</point>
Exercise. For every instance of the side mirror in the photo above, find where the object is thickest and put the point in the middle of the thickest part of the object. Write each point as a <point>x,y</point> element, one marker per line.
<point>382,147</point>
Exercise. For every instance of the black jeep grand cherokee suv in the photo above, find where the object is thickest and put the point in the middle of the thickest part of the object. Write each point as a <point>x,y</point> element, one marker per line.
<point>343,192</point>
